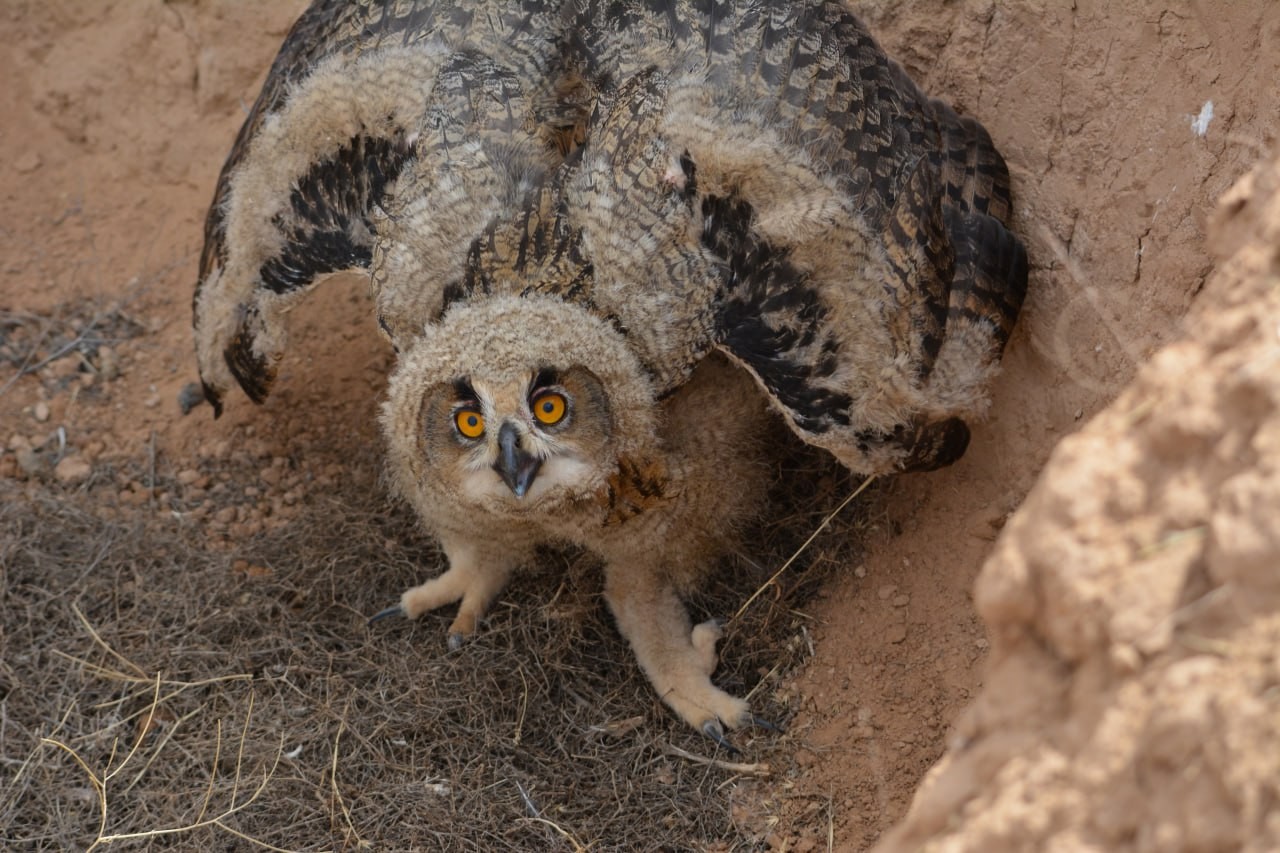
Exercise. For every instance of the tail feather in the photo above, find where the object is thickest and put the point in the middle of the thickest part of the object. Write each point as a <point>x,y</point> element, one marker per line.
<point>990,280</point>
<point>974,173</point>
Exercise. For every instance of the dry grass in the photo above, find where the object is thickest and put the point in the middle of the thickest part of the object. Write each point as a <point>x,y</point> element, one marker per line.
<point>152,697</point>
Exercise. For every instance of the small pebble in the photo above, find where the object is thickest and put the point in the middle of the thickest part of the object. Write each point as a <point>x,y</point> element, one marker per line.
<point>40,411</point>
<point>1125,658</point>
<point>30,461</point>
<point>896,633</point>
<point>27,163</point>
<point>108,363</point>
<point>214,450</point>
<point>72,470</point>
<point>191,396</point>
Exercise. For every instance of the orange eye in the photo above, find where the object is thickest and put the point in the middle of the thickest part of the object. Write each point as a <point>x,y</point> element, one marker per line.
<point>469,422</point>
<point>549,407</point>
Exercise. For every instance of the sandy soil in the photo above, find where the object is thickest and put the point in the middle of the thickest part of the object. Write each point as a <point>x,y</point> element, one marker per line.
<point>1131,695</point>
<point>1122,125</point>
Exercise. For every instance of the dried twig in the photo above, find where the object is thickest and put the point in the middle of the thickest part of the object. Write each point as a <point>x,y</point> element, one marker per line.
<point>99,783</point>
<point>731,766</point>
<point>577,845</point>
<point>97,638</point>
<point>812,536</point>
<point>333,783</point>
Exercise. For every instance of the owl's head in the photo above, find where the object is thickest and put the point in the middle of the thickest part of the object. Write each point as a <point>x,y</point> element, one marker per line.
<point>515,405</point>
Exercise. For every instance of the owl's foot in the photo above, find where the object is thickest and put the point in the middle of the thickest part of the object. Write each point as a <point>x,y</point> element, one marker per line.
<point>474,590</point>
<point>714,730</point>
<point>690,693</point>
<point>762,723</point>
<point>454,642</point>
<point>393,610</point>
<point>677,659</point>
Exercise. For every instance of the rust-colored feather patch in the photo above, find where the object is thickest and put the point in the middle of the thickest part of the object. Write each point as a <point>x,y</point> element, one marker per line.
<point>635,488</point>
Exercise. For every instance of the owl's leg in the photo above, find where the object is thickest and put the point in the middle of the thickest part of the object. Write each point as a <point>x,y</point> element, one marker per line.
<point>475,578</point>
<point>677,658</point>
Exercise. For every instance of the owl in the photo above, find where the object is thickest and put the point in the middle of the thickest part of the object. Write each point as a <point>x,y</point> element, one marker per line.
<point>612,243</point>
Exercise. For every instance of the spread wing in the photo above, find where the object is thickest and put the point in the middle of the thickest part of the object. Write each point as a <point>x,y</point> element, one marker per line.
<point>757,177</point>
<point>362,96</point>
<point>867,275</point>
<point>612,230</point>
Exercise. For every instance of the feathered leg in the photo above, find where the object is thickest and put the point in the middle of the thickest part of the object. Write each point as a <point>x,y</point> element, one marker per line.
<point>677,658</point>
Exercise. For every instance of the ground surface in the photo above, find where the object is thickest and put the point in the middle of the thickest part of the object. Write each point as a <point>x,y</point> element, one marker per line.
<point>237,558</point>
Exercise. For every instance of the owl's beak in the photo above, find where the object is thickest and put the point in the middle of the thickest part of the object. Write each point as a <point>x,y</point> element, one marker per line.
<point>516,467</point>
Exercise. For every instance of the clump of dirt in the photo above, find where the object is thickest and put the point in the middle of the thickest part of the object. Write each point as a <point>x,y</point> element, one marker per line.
<point>1134,604</point>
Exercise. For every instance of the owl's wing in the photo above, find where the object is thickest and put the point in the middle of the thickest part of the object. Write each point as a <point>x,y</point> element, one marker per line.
<point>634,197</point>
<point>361,95</point>
<point>612,230</point>
<point>872,280</point>
<point>827,358</point>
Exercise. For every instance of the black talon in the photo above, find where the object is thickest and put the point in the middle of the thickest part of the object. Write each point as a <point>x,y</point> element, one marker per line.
<point>762,723</point>
<point>393,610</point>
<point>713,730</point>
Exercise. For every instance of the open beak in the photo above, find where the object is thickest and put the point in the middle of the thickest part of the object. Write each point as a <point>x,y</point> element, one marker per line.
<point>516,467</point>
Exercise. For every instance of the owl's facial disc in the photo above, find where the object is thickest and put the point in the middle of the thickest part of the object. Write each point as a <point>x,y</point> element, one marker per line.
<point>574,394</point>
<point>522,436</point>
